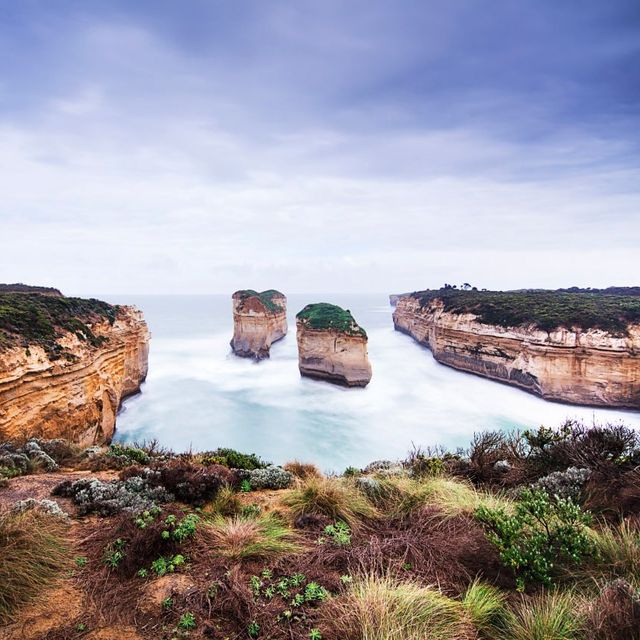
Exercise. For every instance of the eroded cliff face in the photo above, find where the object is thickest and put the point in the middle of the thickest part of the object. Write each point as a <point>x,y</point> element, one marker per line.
<point>259,320</point>
<point>581,367</point>
<point>75,398</point>
<point>333,352</point>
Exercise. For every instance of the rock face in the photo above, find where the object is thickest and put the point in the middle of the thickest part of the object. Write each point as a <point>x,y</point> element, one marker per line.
<point>331,346</point>
<point>590,367</point>
<point>259,319</point>
<point>75,396</point>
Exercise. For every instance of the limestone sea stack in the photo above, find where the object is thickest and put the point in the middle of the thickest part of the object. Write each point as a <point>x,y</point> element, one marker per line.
<point>576,346</point>
<point>66,364</point>
<point>332,346</point>
<point>259,320</point>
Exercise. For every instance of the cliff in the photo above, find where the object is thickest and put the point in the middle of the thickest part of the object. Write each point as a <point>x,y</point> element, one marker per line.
<point>593,360</point>
<point>66,364</point>
<point>332,346</point>
<point>259,320</point>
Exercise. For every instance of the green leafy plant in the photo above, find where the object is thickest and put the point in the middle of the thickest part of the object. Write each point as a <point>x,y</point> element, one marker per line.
<point>542,533</point>
<point>115,553</point>
<point>81,561</point>
<point>161,566</point>
<point>167,603</point>
<point>338,533</point>
<point>314,634</point>
<point>187,621</point>
<point>253,629</point>
<point>245,486</point>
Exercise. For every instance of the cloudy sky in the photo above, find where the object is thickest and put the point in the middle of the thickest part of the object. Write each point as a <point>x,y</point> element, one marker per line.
<point>203,146</point>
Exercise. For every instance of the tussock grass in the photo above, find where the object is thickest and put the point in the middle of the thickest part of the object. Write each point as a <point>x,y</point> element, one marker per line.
<point>546,616</point>
<point>242,538</point>
<point>33,549</point>
<point>485,606</point>
<point>380,608</point>
<point>225,503</point>
<point>302,470</point>
<point>456,496</point>
<point>335,498</point>
<point>618,552</point>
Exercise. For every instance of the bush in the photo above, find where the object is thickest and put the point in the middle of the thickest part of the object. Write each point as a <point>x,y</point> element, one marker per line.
<point>129,454</point>
<point>332,497</point>
<point>34,548</point>
<point>542,533</point>
<point>133,494</point>
<point>188,482</point>
<point>564,484</point>
<point>232,459</point>
<point>268,478</point>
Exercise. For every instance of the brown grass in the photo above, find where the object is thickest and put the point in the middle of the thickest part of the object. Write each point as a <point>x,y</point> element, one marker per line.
<point>302,470</point>
<point>33,550</point>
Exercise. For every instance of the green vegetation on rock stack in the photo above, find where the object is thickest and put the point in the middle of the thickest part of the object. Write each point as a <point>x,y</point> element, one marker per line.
<point>36,319</point>
<point>323,315</point>
<point>611,309</point>
<point>266,297</point>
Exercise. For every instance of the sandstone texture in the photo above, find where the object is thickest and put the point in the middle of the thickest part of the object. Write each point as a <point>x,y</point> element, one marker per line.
<point>331,346</point>
<point>259,320</point>
<point>75,389</point>
<point>587,367</point>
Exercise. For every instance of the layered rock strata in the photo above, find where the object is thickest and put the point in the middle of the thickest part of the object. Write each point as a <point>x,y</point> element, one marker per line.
<point>586,367</point>
<point>75,395</point>
<point>332,346</point>
<point>259,320</point>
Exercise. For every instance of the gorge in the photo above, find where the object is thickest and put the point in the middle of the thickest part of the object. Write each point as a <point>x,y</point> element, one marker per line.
<point>575,346</point>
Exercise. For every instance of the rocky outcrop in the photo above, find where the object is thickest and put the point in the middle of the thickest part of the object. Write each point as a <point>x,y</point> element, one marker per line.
<point>587,367</point>
<point>75,396</point>
<point>259,320</point>
<point>331,346</point>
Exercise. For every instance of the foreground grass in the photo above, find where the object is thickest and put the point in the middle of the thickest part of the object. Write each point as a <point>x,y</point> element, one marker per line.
<point>34,550</point>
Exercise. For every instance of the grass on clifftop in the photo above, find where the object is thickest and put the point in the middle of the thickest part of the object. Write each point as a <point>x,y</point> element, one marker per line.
<point>323,315</point>
<point>266,297</point>
<point>35,319</point>
<point>607,309</point>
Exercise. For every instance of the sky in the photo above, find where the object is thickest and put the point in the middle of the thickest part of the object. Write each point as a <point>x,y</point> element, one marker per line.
<point>204,146</point>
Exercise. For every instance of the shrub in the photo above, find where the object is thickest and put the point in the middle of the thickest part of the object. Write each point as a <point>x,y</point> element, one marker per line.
<point>545,616</point>
<point>302,470</point>
<point>132,455</point>
<point>241,538</point>
<point>133,495</point>
<point>542,533</point>
<point>45,506</point>
<point>332,497</point>
<point>188,482</point>
<point>232,459</point>
<point>380,608</point>
<point>267,478</point>
<point>34,549</point>
<point>564,484</point>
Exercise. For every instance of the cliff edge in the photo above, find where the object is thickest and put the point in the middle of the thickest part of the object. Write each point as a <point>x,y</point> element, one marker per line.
<point>332,346</point>
<point>575,346</point>
<point>66,364</point>
<point>259,320</point>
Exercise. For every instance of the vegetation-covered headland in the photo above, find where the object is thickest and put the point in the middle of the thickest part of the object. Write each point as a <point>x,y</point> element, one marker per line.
<point>66,364</point>
<point>575,345</point>
<point>332,346</point>
<point>525,536</point>
<point>259,320</point>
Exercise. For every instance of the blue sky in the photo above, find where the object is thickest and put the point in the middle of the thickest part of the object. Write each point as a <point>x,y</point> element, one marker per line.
<point>156,146</point>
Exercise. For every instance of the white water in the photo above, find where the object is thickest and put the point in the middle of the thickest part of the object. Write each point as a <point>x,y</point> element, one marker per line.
<point>200,395</point>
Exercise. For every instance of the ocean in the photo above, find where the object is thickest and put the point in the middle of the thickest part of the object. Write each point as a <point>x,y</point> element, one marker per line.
<point>199,396</point>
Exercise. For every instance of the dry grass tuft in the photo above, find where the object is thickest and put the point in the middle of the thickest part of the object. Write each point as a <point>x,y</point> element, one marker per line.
<point>302,470</point>
<point>381,608</point>
<point>33,549</point>
<point>335,498</point>
<point>238,538</point>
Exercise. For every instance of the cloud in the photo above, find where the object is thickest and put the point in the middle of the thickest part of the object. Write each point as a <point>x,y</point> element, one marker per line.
<point>318,147</point>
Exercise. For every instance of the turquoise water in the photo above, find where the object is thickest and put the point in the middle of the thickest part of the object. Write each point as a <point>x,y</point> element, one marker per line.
<point>199,395</point>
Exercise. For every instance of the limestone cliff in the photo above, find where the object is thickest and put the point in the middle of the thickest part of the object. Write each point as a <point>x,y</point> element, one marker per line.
<point>259,320</point>
<point>65,372</point>
<point>587,366</point>
<point>331,346</point>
